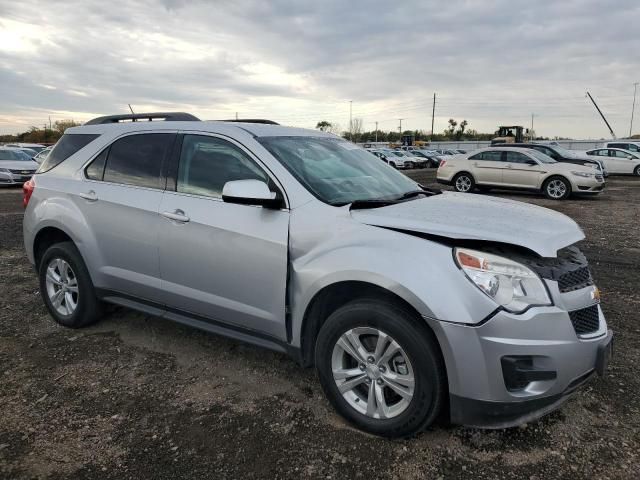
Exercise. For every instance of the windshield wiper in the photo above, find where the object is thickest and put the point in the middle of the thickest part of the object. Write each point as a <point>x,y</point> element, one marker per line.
<point>372,203</point>
<point>414,193</point>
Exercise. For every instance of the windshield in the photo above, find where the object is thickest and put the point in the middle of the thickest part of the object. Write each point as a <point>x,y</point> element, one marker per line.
<point>564,152</point>
<point>541,157</point>
<point>337,172</point>
<point>13,155</point>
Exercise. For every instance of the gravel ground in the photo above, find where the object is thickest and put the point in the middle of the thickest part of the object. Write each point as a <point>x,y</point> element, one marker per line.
<point>139,397</point>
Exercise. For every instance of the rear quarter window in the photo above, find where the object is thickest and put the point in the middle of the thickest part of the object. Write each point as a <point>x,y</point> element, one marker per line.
<point>66,146</point>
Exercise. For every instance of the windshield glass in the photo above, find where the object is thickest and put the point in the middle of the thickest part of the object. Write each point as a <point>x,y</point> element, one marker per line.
<point>13,155</point>
<point>564,152</point>
<point>337,172</point>
<point>541,157</point>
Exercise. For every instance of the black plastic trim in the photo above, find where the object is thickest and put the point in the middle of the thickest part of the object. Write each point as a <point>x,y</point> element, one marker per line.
<point>134,117</point>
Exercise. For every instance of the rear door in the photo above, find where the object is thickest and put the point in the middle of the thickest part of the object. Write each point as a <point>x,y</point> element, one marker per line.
<point>521,171</point>
<point>487,167</point>
<point>223,262</point>
<point>620,161</point>
<point>119,199</point>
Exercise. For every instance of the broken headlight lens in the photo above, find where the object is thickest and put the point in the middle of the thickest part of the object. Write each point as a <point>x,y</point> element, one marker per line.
<point>510,284</point>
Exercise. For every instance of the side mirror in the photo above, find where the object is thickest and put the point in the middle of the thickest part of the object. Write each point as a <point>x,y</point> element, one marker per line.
<point>250,192</point>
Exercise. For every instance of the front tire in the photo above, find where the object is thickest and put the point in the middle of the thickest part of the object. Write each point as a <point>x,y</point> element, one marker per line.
<point>636,172</point>
<point>66,287</point>
<point>557,188</point>
<point>464,182</point>
<point>380,369</point>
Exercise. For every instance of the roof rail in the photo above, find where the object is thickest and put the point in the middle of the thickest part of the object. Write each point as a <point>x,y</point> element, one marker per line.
<point>134,117</point>
<point>251,120</point>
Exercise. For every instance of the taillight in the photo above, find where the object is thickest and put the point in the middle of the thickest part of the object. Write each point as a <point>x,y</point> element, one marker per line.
<point>442,162</point>
<point>27,190</point>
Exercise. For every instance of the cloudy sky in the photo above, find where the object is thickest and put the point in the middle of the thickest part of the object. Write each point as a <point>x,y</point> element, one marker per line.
<point>299,62</point>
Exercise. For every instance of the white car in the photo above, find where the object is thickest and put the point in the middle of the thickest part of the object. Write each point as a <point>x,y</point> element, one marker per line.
<point>42,155</point>
<point>15,166</point>
<point>398,158</point>
<point>518,169</point>
<point>631,146</point>
<point>618,161</point>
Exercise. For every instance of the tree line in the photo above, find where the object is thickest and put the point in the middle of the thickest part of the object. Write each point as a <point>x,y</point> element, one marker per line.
<point>40,135</point>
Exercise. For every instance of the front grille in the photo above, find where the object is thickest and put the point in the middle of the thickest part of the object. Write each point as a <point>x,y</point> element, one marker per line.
<point>585,320</point>
<point>22,172</point>
<point>575,280</point>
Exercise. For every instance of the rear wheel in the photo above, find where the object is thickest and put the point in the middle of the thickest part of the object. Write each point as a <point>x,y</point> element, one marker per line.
<point>66,287</point>
<point>557,188</point>
<point>464,182</point>
<point>379,369</point>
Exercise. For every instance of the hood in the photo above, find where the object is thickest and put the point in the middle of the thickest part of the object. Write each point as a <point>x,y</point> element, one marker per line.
<point>19,164</point>
<point>465,216</point>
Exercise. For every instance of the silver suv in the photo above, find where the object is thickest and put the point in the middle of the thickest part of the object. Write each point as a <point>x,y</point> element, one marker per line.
<point>409,302</point>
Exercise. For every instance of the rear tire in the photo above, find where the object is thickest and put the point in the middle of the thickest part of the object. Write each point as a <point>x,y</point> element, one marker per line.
<point>464,183</point>
<point>556,188</point>
<point>393,382</point>
<point>66,287</point>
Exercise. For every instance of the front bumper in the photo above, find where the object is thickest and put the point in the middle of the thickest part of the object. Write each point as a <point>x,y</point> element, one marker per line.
<point>588,185</point>
<point>479,394</point>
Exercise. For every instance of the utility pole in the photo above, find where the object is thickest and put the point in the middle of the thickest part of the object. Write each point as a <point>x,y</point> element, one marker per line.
<point>433,116</point>
<point>350,121</point>
<point>635,88</point>
<point>49,122</point>
<point>400,127</point>
<point>531,131</point>
<point>236,115</point>
<point>376,132</point>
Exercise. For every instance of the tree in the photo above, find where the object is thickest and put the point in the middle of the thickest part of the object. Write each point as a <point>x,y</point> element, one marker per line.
<point>322,125</point>
<point>61,125</point>
<point>461,128</point>
<point>356,129</point>
<point>452,128</point>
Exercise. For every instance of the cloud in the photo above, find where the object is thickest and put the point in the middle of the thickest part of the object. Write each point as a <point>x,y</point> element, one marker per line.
<point>300,62</point>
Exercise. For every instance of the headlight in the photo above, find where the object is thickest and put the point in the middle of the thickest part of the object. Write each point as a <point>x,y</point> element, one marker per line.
<point>510,284</point>
<point>583,174</point>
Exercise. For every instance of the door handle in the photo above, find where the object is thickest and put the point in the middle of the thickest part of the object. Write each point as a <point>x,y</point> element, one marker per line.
<point>90,196</point>
<point>509,165</point>
<point>177,215</point>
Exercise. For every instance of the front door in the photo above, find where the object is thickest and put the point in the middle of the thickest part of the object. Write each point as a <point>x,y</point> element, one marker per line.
<point>222,261</point>
<point>521,171</point>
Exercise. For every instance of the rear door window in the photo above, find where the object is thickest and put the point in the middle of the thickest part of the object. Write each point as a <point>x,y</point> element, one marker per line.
<point>137,159</point>
<point>517,157</point>
<point>66,146</point>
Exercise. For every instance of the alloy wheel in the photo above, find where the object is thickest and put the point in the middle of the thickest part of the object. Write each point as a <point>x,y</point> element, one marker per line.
<point>556,188</point>
<point>463,183</point>
<point>62,286</point>
<point>373,373</point>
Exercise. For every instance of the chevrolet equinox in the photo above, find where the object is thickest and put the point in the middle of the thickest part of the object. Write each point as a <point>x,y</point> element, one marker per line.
<point>409,302</point>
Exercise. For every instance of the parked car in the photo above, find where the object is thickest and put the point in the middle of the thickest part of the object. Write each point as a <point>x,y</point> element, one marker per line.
<point>460,151</point>
<point>409,302</point>
<point>521,169</point>
<point>15,166</point>
<point>446,151</point>
<point>397,158</point>
<point>625,145</point>
<point>415,160</point>
<point>42,154</point>
<point>430,158</point>
<point>560,154</point>
<point>36,147</point>
<point>617,160</point>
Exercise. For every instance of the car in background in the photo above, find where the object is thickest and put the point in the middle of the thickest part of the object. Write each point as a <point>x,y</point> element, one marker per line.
<point>32,146</point>
<point>446,151</point>
<point>416,160</point>
<point>519,169</point>
<point>30,152</point>
<point>618,161</point>
<point>16,167</point>
<point>560,154</point>
<point>626,145</point>
<point>42,155</point>
<point>398,159</point>
<point>431,157</point>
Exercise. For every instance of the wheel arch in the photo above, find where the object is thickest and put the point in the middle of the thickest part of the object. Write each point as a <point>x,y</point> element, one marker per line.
<point>46,237</point>
<point>334,295</point>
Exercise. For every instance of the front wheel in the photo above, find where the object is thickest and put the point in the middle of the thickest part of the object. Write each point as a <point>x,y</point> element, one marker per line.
<point>557,188</point>
<point>380,369</point>
<point>464,182</point>
<point>636,172</point>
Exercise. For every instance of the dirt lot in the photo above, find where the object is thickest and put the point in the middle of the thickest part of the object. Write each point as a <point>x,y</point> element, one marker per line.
<point>138,397</point>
